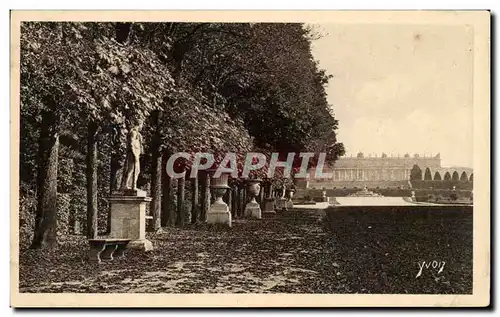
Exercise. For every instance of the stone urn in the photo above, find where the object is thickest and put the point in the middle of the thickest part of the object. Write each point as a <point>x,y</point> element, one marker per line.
<point>252,209</point>
<point>413,198</point>
<point>218,212</point>
<point>289,203</point>
<point>281,201</point>
<point>268,206</point>
<point>323,196</point>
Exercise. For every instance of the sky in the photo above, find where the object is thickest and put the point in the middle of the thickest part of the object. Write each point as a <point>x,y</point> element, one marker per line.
<point>401,89</point>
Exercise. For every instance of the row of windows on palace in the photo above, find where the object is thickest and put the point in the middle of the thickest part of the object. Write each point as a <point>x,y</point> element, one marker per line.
<point>390,175</point>
<point>367,174</point>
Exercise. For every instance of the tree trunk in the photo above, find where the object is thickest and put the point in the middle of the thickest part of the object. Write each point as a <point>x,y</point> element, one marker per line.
<point>230,199</point>
<point>194,200</point>
<point>261,197</point>
<point>172,208</point>
<point>235,201</point>
<point>91,175</point>
<point>243,200</point>
<point>166,183</point>
<point>115,165</point>
<point>205,197</point>
<point>156,163</point>
<point>156,190</point>
<point>181,193</point>
<point>178,56</point>
<point>45,234</point>
<point>113,171</point>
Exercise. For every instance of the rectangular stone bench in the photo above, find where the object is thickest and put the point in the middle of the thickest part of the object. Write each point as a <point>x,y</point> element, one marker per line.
<point>106,249</point>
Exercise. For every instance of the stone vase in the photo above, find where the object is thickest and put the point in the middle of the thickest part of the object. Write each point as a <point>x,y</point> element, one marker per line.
<point>323,196</point>
<point>252,208</point>
<point>218,212</point>
<point>289,202</point>
<point>269,201</point>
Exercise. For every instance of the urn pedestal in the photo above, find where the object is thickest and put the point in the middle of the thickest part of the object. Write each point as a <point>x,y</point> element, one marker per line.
<point>324,198</point>
<point>289,202</point>
<point>252,208</point>
<point>281,204</point>
<point>219,211</point>
<point>269,206</point>
<point>128,218</point>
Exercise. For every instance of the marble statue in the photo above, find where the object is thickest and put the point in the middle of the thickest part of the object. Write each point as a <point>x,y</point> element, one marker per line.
<point>132,164</point>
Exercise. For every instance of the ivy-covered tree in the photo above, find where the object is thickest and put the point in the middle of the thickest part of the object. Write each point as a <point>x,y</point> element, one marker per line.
<point>90,78</point>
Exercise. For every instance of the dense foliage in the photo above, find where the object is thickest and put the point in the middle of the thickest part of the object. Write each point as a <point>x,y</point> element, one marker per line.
<point>211,87</point>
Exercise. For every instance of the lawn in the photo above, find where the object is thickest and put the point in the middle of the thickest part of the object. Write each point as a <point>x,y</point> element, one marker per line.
<point>290,252</point>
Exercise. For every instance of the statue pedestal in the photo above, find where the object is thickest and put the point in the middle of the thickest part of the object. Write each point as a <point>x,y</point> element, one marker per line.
<point>281,204</point>
<point>128,218</point>
<point>269,206</point>
<point>219,214</point>
<point>252,210</point>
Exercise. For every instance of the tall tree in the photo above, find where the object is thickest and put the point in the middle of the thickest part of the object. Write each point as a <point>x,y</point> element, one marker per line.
<point>46,213</point>
<point>427,174</point>
<point>415,173</point>
<point>258,71</point>
<point>437,176</point>
<point>194,200</point>
<point>447,176</point>
<point>42,86</point>
<point>98,80</point>
<point>156,172</point>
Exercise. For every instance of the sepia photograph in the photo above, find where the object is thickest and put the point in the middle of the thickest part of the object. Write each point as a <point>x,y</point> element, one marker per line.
<point>260,159</point>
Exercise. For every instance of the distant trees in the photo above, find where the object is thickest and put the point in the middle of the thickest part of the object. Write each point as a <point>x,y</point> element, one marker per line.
<point>463,177</point>
<point>415,173</point>
<point>427,174</point>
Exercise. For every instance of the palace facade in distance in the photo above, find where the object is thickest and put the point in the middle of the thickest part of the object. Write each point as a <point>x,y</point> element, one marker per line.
<point>383,171</point>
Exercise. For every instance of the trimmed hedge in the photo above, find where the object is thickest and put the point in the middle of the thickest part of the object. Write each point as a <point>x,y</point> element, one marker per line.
<point>459,185</point>
<point>420,194</point>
